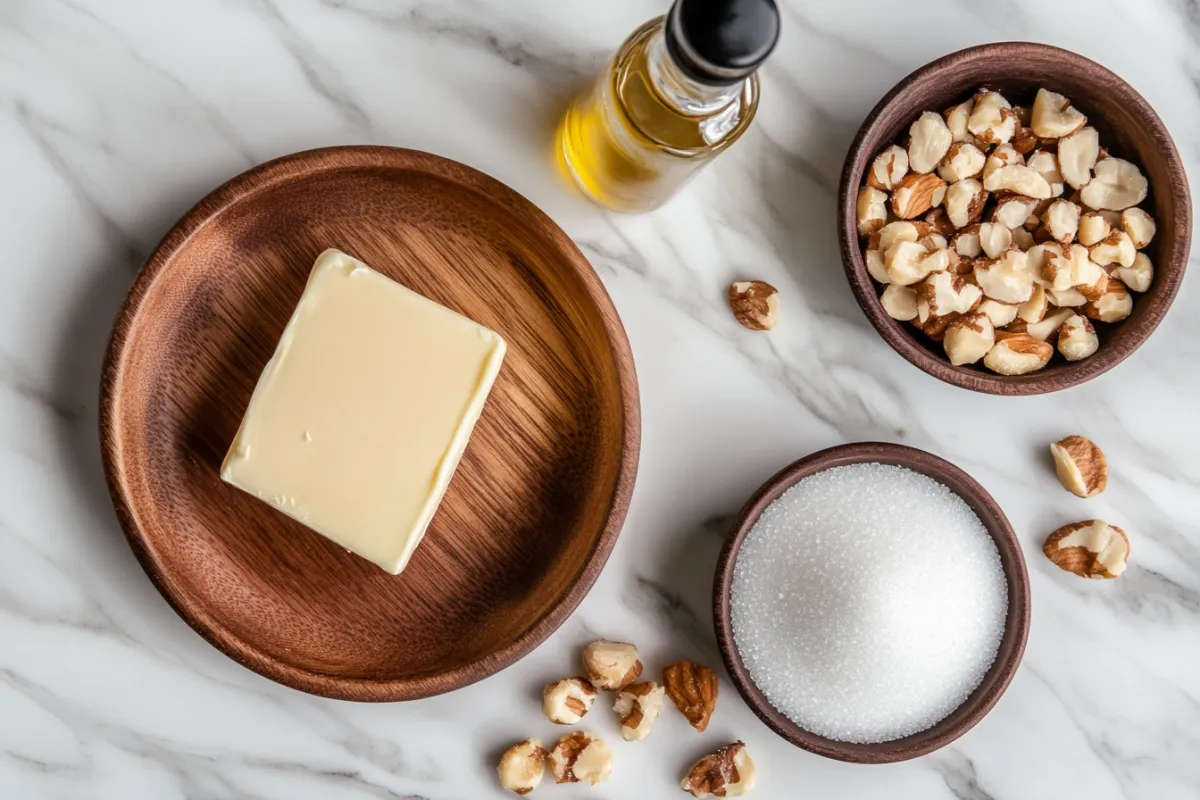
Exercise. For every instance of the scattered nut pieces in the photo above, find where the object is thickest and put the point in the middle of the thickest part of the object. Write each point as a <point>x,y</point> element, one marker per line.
<point>693,690</point>
<point>567,701</point>
<point>639,706</point>
<point>581,756</point>
<point>979,203</point>
<point>1090,549</point>
<point>522,766</point>
<point>729,772</point>
<point>611,665</point>
<point>1077,338</point>
<point>1081,466</point>
<point>755,304</point>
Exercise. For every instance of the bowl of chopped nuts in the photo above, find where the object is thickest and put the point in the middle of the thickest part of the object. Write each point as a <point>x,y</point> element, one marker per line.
<point>1014,219</point>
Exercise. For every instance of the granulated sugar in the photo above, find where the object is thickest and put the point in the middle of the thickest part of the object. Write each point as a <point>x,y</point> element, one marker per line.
<point>868,602</point>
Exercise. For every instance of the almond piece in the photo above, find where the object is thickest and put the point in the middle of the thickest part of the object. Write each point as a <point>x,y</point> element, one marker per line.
<point>943,293</point>
<point>1054,117</point>
<point>611,665</point>
<point>729,772</point>
<point>1061,220</point>
<point>581,757</point>
<point>900,302</point>
<point>1020,179</point>
<point>755,304</point>
<point>1139,226</point>
<point>875,266</point>
<point>1137,276</point>
<point>1090,549</point>
<point>888,168</point>
<point>888,235</point>
<point>1017,355</point>
<point>916,194</point>
<point>1077,338</point>
<point>929,139</point>
<point>992,119</point>
<point>1011,210</point>
<point>1034,309</point>
<point>957,118</point>
<point>995,238</point>
<point>964,202</point>
<point>1046,165</point>
<point>1077,156</point>
<point>522,767</point>
<point>1093,228</point>
<point>871,210</point>
<point>969,338</point>
<point>999,313</point>
<point>693,689</point>
<point>1081,466</point>
<point>567,701</point>
<point>1007,279</point>
<point>1113,306</point>
<point>905,263</point>
<point>966,242</point>
<point>638,707</point>
<point>1116,247</point>
<point>1117,185</point>
<point>963,160</point>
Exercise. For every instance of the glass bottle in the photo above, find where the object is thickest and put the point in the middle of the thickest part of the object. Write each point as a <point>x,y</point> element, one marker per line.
<point>680,91</point>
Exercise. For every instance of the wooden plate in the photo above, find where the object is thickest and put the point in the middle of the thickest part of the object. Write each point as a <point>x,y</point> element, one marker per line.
<point>541,492</point>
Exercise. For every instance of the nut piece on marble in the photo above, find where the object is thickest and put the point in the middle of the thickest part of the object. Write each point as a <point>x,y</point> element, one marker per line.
<point>567,701</point>
<point>728,772</point>
<point>581,757</point>
<point>755,304</point>
<point>611,665</point>
<point>1081,466</point>
<point>522,766</point>
<point>693,690</point>
<point>639,706</point>
<point>1090,549</point>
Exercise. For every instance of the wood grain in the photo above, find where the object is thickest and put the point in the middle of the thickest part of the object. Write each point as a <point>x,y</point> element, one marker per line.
<point>540,494</point>
<point>1016,624</point>
<point>1128,127</point>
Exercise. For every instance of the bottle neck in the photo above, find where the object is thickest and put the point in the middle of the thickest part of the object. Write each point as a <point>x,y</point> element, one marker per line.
<point>687,95</point>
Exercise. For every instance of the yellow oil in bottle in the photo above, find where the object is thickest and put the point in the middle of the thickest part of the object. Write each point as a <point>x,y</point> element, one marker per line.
<point>645,128</point>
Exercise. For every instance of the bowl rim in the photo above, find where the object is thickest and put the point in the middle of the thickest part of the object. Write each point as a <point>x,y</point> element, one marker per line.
<point>1012,644</point>
<point>266,177</point>
<point>1169,274</point>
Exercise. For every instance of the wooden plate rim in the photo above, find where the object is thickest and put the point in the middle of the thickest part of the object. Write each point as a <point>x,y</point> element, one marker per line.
<point>264,177</point>
<point>1012,645</point>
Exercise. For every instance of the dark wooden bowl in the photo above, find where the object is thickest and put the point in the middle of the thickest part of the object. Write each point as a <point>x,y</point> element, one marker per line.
<point>1128,127</point>
<point>538,499</point>
<point>1016,625</point>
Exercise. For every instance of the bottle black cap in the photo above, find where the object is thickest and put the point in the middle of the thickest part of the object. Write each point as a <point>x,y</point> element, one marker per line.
<point>720,42</point>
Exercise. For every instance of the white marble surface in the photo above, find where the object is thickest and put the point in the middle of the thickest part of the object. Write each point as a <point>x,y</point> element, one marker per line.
<point>117,115</point>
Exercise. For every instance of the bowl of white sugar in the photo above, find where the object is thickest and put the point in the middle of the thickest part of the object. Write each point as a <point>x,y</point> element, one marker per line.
<point>872,603</point>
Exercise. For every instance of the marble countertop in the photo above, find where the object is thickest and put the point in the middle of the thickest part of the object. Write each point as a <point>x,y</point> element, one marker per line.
<point>117,115</point>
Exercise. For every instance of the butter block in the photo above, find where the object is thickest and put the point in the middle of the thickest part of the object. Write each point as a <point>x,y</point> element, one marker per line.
<point>359,419</point>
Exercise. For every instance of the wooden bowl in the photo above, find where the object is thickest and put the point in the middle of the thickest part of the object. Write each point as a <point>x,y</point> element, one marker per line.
<point>1016,625</point>
<point>539,496</point>
<point>1128,127</point>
